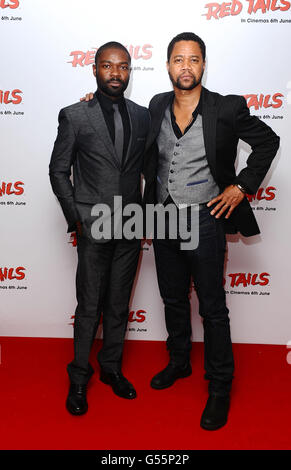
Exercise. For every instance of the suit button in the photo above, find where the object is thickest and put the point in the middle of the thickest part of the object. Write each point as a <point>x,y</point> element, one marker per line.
<point>171,171</point>
<point>171,181</point>
<point>173,163</point>
<point>177,144</point>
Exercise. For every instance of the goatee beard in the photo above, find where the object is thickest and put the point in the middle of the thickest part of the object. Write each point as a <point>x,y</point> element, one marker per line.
<point>104,86</point>
<point>192,85</point>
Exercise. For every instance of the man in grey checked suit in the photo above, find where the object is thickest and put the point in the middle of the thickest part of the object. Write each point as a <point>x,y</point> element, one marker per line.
<point>103,140</point>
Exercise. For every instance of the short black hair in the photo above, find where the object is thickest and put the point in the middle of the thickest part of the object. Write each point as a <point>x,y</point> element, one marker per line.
<point>186,37</point>
<point>111,45</point>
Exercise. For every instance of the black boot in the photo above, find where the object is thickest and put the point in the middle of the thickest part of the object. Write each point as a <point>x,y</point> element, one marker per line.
<point>170,374</point>
<point>120,385</point>
<point>215,413</point>
<point>76,402</point>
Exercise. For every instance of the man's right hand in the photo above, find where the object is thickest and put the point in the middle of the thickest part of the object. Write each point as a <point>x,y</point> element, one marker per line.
<point>88,97</point>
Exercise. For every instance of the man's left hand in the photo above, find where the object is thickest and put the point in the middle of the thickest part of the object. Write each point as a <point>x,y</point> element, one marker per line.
<point>226,201</point>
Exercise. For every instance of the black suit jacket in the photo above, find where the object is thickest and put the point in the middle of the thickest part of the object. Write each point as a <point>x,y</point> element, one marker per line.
<point>226,119</point>
<point>84,144</point>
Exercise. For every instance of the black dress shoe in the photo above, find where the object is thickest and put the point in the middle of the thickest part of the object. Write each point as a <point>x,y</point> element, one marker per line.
<point>169,375</point>
<point>76,402</point>
<point>215,413</point>
<point>120,385</point>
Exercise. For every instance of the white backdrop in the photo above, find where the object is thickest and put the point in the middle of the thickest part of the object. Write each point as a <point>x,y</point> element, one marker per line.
<point>47,50</point>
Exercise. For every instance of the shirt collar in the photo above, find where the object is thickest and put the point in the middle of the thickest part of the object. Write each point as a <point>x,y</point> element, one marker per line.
<point>197,110</point>
<point>106,102</point>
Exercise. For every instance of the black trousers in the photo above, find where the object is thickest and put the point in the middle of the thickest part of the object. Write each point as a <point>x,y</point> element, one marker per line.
<point>104,280</point>
<point>206,265</point>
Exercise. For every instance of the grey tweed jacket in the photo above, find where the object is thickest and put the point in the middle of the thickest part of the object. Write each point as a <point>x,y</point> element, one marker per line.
<point>84,144</point>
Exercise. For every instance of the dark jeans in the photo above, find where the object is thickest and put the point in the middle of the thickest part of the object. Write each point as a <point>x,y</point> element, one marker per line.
<point>104,280</point>
<point>205,264</point>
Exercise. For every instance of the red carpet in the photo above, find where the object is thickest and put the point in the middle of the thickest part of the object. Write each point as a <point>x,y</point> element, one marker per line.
<point>34,387</point>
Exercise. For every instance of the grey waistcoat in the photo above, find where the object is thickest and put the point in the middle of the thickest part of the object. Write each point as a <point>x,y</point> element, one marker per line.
<point>183,171</point>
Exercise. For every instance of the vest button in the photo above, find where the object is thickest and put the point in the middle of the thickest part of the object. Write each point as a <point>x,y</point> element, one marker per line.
<point>177,144</point>
<point>171,171</point>
<point>175,153</point>
<point>173,163</point>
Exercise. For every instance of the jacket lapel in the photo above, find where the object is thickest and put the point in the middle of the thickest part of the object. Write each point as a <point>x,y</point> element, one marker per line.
<point>97,121</point>
<point>209,119</point>
<point>133,121</point>
<point>157,117</point>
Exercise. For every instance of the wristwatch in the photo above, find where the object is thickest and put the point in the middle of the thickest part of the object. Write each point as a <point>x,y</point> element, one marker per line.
<point>241,188</point>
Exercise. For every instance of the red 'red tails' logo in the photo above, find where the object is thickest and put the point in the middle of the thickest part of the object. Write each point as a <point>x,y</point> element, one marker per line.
<point>267,5</point>
<point>248,279</point>
<point>138,316</point>
<point>88,58</point>
<point>7,97</point>
<point>9,4</point>
<point>74,316</point>
<point>11,188</point>
<point>73,239</point>
<point>12,273</point>
<point>264,101</point>
<point>263,193</point>
<point>221,10</point>
<point>216,10</point>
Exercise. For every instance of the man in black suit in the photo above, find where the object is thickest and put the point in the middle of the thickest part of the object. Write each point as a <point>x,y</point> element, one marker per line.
<point>190,159</point>
<point>103,141</point>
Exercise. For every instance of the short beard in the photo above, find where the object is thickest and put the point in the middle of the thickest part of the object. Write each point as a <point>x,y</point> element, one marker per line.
<point>110,91</point>
<point>192,85</point>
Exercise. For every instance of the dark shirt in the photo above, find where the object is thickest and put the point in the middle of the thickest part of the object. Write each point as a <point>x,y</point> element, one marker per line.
<point>108,113</point>
<point>176,128</point>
